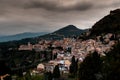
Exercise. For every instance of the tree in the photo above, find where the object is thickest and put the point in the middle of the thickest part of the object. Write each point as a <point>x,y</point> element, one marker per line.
<point>111,65</point>
<point>56,72</point>
<point>73,67</point>
<point>90,67</point>
<point>76,66</point>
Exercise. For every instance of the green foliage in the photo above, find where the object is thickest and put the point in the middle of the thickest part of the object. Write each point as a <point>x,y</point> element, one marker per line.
<point>33,77</point>
<point>38,77</point>
<point>28,76</point>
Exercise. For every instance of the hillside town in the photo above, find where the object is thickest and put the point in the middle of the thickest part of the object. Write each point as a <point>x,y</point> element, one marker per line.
<point>69,47</point>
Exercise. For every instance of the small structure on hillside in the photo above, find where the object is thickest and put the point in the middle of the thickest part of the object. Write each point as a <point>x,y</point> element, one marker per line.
<point>40,67</point>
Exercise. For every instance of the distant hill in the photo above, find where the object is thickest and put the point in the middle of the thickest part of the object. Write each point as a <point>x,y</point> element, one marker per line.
<point>21,36</point>
<point>68,31</point>
<point>108,24</point>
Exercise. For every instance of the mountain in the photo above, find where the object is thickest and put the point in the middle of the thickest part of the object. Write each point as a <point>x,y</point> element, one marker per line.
<point>68,31</point>
<point>108,24</point>
<point>21,36</point>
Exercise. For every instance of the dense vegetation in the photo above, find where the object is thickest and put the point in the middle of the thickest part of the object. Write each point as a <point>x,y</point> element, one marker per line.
<point>20,61</point>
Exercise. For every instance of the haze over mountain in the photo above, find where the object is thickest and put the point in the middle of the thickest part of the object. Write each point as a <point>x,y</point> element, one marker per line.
<point>21,36</point>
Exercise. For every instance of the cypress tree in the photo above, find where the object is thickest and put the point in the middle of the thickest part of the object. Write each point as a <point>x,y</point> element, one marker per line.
<point>56,72</point>
<point>72,65</point>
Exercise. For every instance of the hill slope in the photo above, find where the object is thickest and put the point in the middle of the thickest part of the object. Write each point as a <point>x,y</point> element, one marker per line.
<point>108,24</point>
<point>68,31</point>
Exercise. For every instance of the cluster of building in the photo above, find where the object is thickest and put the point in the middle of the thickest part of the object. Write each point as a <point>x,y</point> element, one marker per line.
<point>41,46</point>
<point>70,47</point>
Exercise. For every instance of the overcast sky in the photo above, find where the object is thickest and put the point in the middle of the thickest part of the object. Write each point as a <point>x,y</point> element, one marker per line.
<point>17,16</point>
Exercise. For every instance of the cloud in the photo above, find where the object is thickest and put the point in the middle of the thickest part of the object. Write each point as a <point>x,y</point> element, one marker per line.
<point>18,16</point>
<point>58,5</point>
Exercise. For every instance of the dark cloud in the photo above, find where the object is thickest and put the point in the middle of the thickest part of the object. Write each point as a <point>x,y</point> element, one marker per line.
<point>82,6</point>
<point>56,6</point>
<point>18,16</point>
<point>39,4</point>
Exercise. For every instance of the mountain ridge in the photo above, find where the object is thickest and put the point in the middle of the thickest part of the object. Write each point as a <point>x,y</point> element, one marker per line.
<point>21,36</point>
<point>69,28</point>
<point>67,31</point>
<point>50,36</point>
